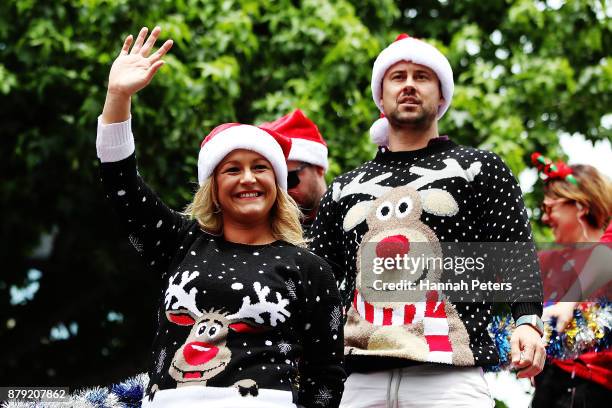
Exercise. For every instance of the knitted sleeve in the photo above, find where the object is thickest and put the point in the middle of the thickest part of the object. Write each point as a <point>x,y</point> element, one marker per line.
<point>504,219</point>
<point>325,240</point>
<point>153,229</point>
<point>322,374</point>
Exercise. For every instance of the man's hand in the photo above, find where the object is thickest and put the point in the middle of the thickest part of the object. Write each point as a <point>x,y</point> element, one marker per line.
<point>527,351</point>
<point>563,311</point>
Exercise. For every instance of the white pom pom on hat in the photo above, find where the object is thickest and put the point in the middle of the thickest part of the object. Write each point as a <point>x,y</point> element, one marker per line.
<point>228,137</point>
<point>406,48</point>
<point>379,131</point>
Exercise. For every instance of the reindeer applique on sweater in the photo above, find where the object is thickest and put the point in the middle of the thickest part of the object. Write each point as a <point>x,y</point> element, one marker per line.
<point>424,327</point>
<point>205,354</point>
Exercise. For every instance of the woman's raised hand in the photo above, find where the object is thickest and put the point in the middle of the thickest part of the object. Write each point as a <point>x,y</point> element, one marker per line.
<point>133,69</point>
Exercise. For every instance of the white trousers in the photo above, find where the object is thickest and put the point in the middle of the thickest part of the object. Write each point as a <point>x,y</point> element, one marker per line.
<point>426,385</point>
<point>196,396</point>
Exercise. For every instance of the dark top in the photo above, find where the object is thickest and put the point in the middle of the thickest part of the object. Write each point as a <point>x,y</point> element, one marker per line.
<point>232,315</point>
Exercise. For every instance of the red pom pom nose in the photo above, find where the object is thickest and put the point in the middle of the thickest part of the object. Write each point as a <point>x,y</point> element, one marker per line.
<point>392,246</point>
<point>198,353</point>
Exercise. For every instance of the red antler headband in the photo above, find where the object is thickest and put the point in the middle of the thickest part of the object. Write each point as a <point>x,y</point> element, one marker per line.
<point>550,171</point>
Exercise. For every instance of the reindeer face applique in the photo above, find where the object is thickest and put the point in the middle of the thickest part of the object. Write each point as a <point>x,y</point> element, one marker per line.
<point>394,219</point>
<point>395,230</point>
<point>205,353</point>
<point>423,326</point>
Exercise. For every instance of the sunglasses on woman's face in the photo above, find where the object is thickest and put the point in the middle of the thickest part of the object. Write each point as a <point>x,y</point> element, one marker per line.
<point>293,178</point>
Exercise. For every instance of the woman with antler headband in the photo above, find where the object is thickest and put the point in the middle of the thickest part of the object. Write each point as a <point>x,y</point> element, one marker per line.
<point>577,206</point>
<point>248,316</point>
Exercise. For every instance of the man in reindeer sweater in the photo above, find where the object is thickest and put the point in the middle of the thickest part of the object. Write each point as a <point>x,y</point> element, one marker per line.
<point>429,349</point>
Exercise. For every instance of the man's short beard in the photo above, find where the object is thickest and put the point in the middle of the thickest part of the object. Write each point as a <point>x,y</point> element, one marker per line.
<point>420,122</point>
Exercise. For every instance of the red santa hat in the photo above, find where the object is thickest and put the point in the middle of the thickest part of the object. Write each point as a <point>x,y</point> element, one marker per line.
<point>225,138</point>
<point>406,48</point>
<point>307,144</point>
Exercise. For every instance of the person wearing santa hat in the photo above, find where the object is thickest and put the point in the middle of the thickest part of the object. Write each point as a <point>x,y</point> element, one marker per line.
<point>248,316</point>
<point>422,187</point>
<point>307,162</point>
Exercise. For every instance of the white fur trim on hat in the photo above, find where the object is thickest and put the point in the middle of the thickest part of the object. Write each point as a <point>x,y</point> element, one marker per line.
<point>242,137</point>
<point>419,52</point>
<point>309,152</point>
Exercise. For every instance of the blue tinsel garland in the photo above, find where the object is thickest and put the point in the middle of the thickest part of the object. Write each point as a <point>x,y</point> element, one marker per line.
<point>126,394</point>
<point>588,331</point>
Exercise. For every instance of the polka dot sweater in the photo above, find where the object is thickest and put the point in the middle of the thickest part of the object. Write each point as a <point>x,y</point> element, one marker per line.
<point>255,319</point>
<point>442,193</point>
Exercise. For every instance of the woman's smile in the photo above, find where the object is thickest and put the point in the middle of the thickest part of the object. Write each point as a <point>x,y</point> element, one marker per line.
<point>249,195</point>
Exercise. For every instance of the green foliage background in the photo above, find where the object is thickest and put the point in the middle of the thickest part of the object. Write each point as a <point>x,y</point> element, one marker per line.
<point>525,72</point>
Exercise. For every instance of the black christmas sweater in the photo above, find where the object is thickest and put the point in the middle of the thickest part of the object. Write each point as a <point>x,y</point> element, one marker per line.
<point>443,193</point>
<point>252,318</point>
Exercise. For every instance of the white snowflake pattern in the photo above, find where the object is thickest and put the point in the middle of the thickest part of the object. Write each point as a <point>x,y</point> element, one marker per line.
<point>291,289</point>
<point>323,396</point>
<point>284,347</point>
<point>135,241</point>
<point>336,319</point>
<point>160,360</point>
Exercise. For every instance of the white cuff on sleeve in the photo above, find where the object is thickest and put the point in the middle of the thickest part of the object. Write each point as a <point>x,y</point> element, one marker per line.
<point>114,141</point>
